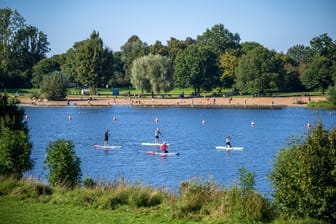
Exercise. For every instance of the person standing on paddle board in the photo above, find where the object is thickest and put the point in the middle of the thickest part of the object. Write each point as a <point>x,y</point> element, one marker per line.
<point>106,137</point>
<point>228,142</point>
<point>156,135</point>
<point>164,147</point>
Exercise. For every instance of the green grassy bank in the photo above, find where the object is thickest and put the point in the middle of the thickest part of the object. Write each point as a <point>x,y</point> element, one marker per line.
<point>198,201</point>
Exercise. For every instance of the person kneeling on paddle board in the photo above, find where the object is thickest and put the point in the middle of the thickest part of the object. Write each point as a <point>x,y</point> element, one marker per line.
<point>164,147</point>
<point>228,143</point>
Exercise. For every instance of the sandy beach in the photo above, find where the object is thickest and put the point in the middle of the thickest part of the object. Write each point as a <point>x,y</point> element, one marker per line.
<point>207,102</point>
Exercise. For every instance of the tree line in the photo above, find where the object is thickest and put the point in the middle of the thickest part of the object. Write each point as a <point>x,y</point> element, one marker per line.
<point>216,59</point>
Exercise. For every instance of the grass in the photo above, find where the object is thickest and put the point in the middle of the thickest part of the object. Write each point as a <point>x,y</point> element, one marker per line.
<point>322,104</point>
<point>198,201</point>
<point>14,211</point>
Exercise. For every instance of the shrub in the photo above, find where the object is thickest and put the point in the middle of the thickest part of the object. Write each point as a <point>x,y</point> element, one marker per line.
<point>304,176</point>
<point>15,147</point>
<point>63,164</point>
<point>331,95</point>
<point>54,86</point>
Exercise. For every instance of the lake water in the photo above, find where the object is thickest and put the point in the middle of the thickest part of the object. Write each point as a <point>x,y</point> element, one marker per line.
<point>182,128</point>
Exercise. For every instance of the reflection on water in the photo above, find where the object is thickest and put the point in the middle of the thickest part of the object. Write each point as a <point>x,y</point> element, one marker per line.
<point>192,132</point>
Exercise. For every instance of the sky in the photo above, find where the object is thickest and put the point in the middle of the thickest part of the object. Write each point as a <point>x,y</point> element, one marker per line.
<point>276,24</point>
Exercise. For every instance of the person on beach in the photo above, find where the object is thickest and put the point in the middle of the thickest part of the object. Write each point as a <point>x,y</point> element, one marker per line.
<point>164,147</point>
<point>156,135</point>
<point>228,142</point>
<point>106,137</point>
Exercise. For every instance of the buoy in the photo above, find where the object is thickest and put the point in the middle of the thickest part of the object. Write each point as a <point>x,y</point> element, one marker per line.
<point>156,120</point>
<point>252,124</point>
<point>203,122</point>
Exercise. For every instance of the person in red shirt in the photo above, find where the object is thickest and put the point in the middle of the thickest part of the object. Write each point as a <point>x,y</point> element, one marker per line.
<point>164,147</point>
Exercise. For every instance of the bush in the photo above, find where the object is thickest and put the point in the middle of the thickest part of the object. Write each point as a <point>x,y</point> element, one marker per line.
<point>54,86</point>
<point>304,176</point>
<point>331,95</point>
<point>63,164</point>
<point>15,147</point>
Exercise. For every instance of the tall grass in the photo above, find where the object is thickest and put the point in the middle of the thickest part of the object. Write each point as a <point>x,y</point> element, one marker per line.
<point>197,200</point>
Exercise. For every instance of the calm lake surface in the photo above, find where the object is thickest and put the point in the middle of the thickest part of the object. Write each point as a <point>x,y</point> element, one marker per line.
<point>182,128</point>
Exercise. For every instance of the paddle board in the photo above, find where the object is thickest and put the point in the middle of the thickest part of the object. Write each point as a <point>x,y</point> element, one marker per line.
<point>107,146</point>
<point>151,144</point>
<point>162,153</point>
<point>230,148</point>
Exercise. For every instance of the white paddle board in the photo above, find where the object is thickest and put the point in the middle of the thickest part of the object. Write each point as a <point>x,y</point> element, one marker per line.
<point>162,153</point>
<point>230,148</point>
<point>151,144</point>
<point>107,146</point>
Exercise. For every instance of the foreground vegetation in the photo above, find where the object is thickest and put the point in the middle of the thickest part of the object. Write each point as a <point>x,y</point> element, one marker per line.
<point>198,201</point>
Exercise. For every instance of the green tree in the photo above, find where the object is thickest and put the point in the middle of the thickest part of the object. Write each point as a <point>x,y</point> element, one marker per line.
<point>300,53</point>
<point>158,48</point>
<point>318,74</point>
<point>119,71</point>
<point>93,63</point>
<point>21,47</point>
<point>219,39</point>
<point>63,164</point>
<point>196,67</point>
<point>245,47</point>
<point>324,46</point>
<point>174,47</point>
<point>152,73</point>
<point>331,95</point>
<point>10,22</point>
<point>228,63</point>
<point>131,50</point>
<point>259,71</point>
<point>15,147</point>
<point>54,86</point>
<point>304,176</point>
<point>45,67</point>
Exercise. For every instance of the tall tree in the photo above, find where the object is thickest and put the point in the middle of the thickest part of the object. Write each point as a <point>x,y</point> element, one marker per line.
<point>10,22</point>
<point>131,50</point>
<point>15,147</point>
<point>21,47</point>
<point>324,46</point>
<point>304,176</point>
<point>175,46</point>
<point>259,71</point>
<point>299,53</point>
<point>158,48</point>
<point>93,62</point>
<point>228,63</point>
<point>196,67</point>
<point>318,74</point>
<point>152,73</point>
<point>119,70</point>
<point>219,39</point>
<point>248,46</point>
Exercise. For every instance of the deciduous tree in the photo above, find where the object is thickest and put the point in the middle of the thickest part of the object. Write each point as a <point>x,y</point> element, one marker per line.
<point>304,176</point>
<point>259,71</point>
<point>15,147</point>
<point>63,164</point>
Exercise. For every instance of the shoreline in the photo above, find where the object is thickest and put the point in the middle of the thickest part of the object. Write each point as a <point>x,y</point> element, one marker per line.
<point>199,102</point>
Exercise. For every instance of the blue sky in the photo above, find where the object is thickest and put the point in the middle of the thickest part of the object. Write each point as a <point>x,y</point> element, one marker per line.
<point>276,24</point>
